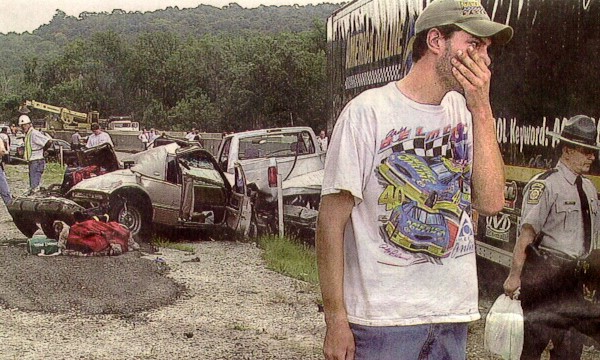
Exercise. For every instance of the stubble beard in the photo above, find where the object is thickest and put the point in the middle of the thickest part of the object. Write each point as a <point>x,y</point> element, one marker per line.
<point>443,69</point>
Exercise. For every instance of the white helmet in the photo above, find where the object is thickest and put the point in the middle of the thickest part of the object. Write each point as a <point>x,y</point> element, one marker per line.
<point>24,119</point>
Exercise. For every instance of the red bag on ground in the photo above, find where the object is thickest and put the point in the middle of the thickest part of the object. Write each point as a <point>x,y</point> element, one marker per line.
<point>96,236</point>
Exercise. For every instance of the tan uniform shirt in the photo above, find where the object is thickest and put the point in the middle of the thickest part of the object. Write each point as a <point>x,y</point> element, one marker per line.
<point>551,204</point>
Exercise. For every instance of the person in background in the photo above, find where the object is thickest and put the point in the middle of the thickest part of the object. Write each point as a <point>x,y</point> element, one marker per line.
<point>76,140</point>
<point>322,140</point>
<point>396,251</point>
<point>191,134</point>
<point>560,218</point>
<point>6,139</point>
<point>35,145</point>
<point>144,138</point>
<point>4,188</point>
<point>98,137</point>
<point>152,135</point>
<point>197,137</point>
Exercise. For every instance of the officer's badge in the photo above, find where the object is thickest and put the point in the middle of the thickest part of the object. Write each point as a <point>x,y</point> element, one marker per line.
<point>535,192</point>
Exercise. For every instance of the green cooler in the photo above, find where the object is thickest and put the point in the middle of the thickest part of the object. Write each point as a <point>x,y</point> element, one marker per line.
<point>39,244</point>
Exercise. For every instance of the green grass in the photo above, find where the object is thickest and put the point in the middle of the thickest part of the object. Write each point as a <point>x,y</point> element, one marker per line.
<point>165,243</point>
<point>52,175</point>
<point>291,258</point>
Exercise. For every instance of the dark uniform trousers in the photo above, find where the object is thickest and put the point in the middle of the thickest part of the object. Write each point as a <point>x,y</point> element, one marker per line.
<point>552,307</point>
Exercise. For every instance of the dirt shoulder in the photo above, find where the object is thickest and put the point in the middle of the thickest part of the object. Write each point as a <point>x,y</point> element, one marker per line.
<point>229,307</point>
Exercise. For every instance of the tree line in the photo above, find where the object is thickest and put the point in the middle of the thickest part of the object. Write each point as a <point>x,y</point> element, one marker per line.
<point>217,81</point>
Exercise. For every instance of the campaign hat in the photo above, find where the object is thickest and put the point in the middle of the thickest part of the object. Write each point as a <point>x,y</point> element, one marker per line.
<point>579,130</point>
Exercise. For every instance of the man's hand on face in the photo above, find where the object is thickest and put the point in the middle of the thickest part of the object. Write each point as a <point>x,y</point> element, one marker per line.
<point>472,72</point>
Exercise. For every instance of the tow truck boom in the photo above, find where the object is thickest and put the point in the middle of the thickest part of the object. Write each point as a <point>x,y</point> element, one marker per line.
<point>67,119</point>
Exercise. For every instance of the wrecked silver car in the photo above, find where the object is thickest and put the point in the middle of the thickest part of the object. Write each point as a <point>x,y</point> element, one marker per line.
<point>177,185</point>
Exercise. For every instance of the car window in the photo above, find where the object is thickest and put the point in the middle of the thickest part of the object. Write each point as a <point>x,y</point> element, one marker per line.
<point>201,168</point>
<point>225,155</point>
<point>276,145</point>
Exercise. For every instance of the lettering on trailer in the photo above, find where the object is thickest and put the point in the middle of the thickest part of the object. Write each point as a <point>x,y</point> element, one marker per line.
<point>508,131</point>
<point>498,227</point>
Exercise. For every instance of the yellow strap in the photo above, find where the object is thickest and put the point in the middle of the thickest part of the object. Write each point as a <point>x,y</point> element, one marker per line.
<point>28,149</point>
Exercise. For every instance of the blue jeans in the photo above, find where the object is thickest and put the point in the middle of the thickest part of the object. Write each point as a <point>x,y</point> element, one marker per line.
<point>36,170</point>
<point>417,342</point>
<point>4,189</point>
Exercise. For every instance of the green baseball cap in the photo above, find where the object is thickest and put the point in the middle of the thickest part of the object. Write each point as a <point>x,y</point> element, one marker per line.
<point>468,15</point>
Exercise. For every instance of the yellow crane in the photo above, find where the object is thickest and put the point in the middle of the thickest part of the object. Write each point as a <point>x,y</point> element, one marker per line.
<point>65,118</point>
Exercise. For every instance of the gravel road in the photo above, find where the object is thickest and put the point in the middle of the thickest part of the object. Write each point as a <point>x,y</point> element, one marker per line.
<point>219,302</point>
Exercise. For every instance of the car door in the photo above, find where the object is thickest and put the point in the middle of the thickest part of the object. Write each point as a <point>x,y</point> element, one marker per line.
<point>239,208</point>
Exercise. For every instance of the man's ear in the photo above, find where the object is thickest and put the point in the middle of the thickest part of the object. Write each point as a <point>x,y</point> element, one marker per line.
<point>435,41</point>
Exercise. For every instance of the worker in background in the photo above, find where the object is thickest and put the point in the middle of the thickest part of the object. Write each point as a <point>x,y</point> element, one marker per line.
<point>322,140</point>
<point>6,140</point>
<point>197,137</point>
<point>98,137</point>
<point>144,138</point>
<point>152,135</point>
<point>35,145</point>
<point>190,135</point>
<point>4,189</point>
<point>76,140</point>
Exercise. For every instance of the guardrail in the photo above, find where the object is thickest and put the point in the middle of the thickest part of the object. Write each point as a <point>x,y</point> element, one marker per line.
<point>129,142</point>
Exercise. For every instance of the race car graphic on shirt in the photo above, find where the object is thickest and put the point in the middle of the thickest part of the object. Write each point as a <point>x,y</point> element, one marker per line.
<point>426,196</point>
<point>434,235</point>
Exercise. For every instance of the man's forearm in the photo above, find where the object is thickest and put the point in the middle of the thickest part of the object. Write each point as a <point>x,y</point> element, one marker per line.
<point>488,166</point>
<point>334,213</point>
<point>519,255</point>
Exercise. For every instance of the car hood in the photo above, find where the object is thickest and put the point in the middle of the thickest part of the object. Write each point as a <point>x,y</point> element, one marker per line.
<point>106,183</point>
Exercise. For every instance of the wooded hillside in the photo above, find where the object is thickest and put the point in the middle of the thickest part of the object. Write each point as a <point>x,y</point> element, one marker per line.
<point>219,69</point>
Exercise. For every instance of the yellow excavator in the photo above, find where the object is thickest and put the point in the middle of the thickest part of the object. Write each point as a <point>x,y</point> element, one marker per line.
<point>64,119</point>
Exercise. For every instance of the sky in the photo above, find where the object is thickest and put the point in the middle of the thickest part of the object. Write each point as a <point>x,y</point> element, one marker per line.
<point>27,15</point>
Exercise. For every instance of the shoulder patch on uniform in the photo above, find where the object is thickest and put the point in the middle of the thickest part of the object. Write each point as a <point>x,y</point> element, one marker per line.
<point>536,189</point>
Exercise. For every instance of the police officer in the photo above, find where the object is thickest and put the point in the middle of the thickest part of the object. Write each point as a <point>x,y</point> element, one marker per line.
<point>559,216</point>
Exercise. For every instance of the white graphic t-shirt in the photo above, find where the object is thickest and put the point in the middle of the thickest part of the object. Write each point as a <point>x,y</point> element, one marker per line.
<point>409,245</point>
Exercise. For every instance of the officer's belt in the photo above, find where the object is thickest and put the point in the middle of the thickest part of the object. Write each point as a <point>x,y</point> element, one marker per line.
<point>559,255</point>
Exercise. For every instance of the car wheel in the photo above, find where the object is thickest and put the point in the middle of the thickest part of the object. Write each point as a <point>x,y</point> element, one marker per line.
<point>129,212</point>
<point>27,227</point>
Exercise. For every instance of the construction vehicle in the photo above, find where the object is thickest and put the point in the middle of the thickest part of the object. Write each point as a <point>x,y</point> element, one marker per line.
<point>63,118</point>
<point>545,75</point>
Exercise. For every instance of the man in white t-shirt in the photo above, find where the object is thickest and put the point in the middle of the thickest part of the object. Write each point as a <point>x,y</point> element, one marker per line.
<point>322,140</point>
<point>395,244</point>
<point>144,138</point>
<point>98,137</point>
<point>191,135</point>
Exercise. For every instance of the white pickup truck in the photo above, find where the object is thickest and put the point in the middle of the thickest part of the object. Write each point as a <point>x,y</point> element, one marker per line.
<point>291,152</point>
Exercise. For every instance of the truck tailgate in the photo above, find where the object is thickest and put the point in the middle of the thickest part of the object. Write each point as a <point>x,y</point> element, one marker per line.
<point>308,183</point>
